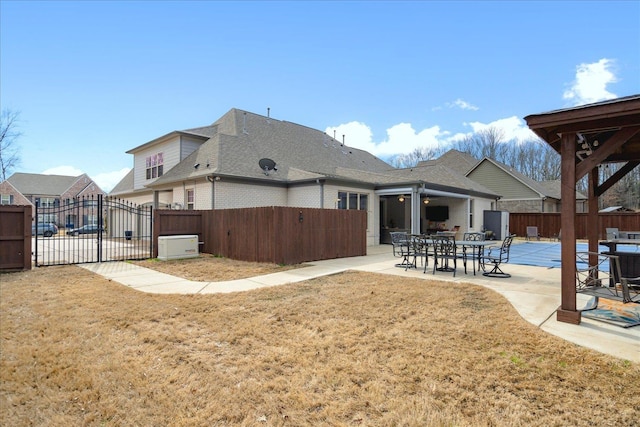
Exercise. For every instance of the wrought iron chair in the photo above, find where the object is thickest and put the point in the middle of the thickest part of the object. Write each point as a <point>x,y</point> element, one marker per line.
<point>403,248</point>
<point>444,251</point>
<point>599,275</point>
<point>469,252</point>
<point>498,256</point>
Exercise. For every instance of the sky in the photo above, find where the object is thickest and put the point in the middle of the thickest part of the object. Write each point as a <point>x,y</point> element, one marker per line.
<point>94,79</point>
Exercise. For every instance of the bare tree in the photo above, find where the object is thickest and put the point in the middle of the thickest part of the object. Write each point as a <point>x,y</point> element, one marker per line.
<point>9,151</point>
<point>489,142</point>
<point>417,155</point>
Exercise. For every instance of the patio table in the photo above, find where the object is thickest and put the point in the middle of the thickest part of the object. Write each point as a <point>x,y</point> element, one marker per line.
<point>477,250</point>
<point>476,246</point>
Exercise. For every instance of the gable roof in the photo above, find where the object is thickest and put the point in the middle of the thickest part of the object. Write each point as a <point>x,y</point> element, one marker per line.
<point>44,185</point>
<point>453,159</point>
<point>543,190</point>
<point>242,139</point>
<point>554,188</point>
<point>125,185</point>
<point>19,199</point>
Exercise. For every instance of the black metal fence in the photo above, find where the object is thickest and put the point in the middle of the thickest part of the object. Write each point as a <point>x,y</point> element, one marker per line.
<point>91,229</point>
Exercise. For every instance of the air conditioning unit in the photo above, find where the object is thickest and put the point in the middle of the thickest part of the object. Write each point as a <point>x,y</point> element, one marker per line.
<point>177,247</point>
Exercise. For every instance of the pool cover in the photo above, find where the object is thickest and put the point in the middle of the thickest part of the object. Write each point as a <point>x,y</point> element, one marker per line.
<point>547,254</point>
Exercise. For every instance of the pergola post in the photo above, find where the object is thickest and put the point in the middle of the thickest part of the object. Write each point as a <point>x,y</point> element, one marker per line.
<point>567,311</point>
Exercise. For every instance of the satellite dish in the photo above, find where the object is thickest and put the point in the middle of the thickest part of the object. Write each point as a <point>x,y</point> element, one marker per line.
<point>267,165</point>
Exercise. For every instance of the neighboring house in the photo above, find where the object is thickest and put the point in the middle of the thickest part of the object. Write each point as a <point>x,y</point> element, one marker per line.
<point>249,160</point>
<point>519,193</point>
<point>9,195</point>
<point>52,191</point>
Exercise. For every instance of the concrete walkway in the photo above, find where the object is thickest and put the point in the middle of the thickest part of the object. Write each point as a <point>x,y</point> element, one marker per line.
<point>533,291</point>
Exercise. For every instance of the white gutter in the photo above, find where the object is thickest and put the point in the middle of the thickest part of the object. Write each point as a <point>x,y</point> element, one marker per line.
<point>444,193</point>
<point>394,191</point>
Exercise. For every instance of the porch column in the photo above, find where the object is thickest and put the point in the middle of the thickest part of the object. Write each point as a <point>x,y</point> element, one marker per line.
<point>592,215</point>
<point>415,211</point>
<point>567,312</point>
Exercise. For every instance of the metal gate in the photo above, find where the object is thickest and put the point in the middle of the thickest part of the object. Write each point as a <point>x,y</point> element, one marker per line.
<point>91,229</point>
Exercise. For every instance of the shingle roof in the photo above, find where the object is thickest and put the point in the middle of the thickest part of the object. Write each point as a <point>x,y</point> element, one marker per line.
<point>243,138</point>
<point>125,185</point>
<point>553,189</point>
<point>44,185</point>
<point>453,159</point>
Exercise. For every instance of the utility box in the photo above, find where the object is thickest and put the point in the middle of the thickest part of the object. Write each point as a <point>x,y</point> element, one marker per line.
<point>177,247</point>
<point>498,222</point>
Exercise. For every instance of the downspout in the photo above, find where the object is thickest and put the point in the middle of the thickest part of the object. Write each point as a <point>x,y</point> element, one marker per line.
<point>212,180</point>
<point>321,183</point>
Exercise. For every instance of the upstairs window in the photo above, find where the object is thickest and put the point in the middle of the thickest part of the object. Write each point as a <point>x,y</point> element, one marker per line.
<point>6,199</point>
<point>155,166</point>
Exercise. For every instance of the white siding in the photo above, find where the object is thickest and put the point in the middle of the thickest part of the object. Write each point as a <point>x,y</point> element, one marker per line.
<point>188,145</point>
<point>305,196</point>
<point>170,150</point>
<point>229,195</point>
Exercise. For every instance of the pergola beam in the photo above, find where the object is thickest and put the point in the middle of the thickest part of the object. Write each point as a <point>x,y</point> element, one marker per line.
<point>617,176</point>
<point>612,145</point>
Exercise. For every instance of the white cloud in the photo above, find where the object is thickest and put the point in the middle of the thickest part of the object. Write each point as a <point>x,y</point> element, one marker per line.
<point>590,84</point>
<point>463,105</point>
<point>512,127</point>
<point>401,138</point>
<point>63,170</point>
<point>106,181</point>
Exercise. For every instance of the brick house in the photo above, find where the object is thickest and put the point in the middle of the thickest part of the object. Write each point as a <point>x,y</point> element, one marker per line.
<point>50,191</point>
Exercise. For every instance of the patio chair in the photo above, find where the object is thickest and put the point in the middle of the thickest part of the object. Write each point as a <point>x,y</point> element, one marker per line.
<point>532,233</point>
<point>599,275</point>
<point>403,248</point>
<point>473,253</point>
<point>444,252</point>
<point>498,256</point>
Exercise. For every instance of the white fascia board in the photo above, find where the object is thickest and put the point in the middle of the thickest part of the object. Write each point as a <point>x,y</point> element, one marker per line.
<point>429,192</point>
<point>394,191</point>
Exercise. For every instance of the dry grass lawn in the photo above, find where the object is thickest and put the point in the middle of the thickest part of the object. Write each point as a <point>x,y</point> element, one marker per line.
<point>209,268</point>
<point>354,349</point>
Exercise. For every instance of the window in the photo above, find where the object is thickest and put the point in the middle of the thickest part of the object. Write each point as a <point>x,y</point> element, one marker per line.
<point>47,202</point>
<point>155,166</point>
<point>190,199</point>
<point>352,201</point>
<point>6,199</point>
<point>470,213</point>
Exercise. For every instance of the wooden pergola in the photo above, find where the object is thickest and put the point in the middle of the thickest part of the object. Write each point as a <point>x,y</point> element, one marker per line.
<point>586,137</point>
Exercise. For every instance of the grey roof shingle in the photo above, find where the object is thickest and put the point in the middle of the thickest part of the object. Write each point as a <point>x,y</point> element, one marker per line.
<point>243,138</point>
<point>453,159</point>
<point>43,185</point>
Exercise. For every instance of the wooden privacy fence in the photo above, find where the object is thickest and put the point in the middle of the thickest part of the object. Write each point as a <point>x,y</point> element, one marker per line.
<point>279,235</point>
<point>549,223</point>
<point>15,238</point>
